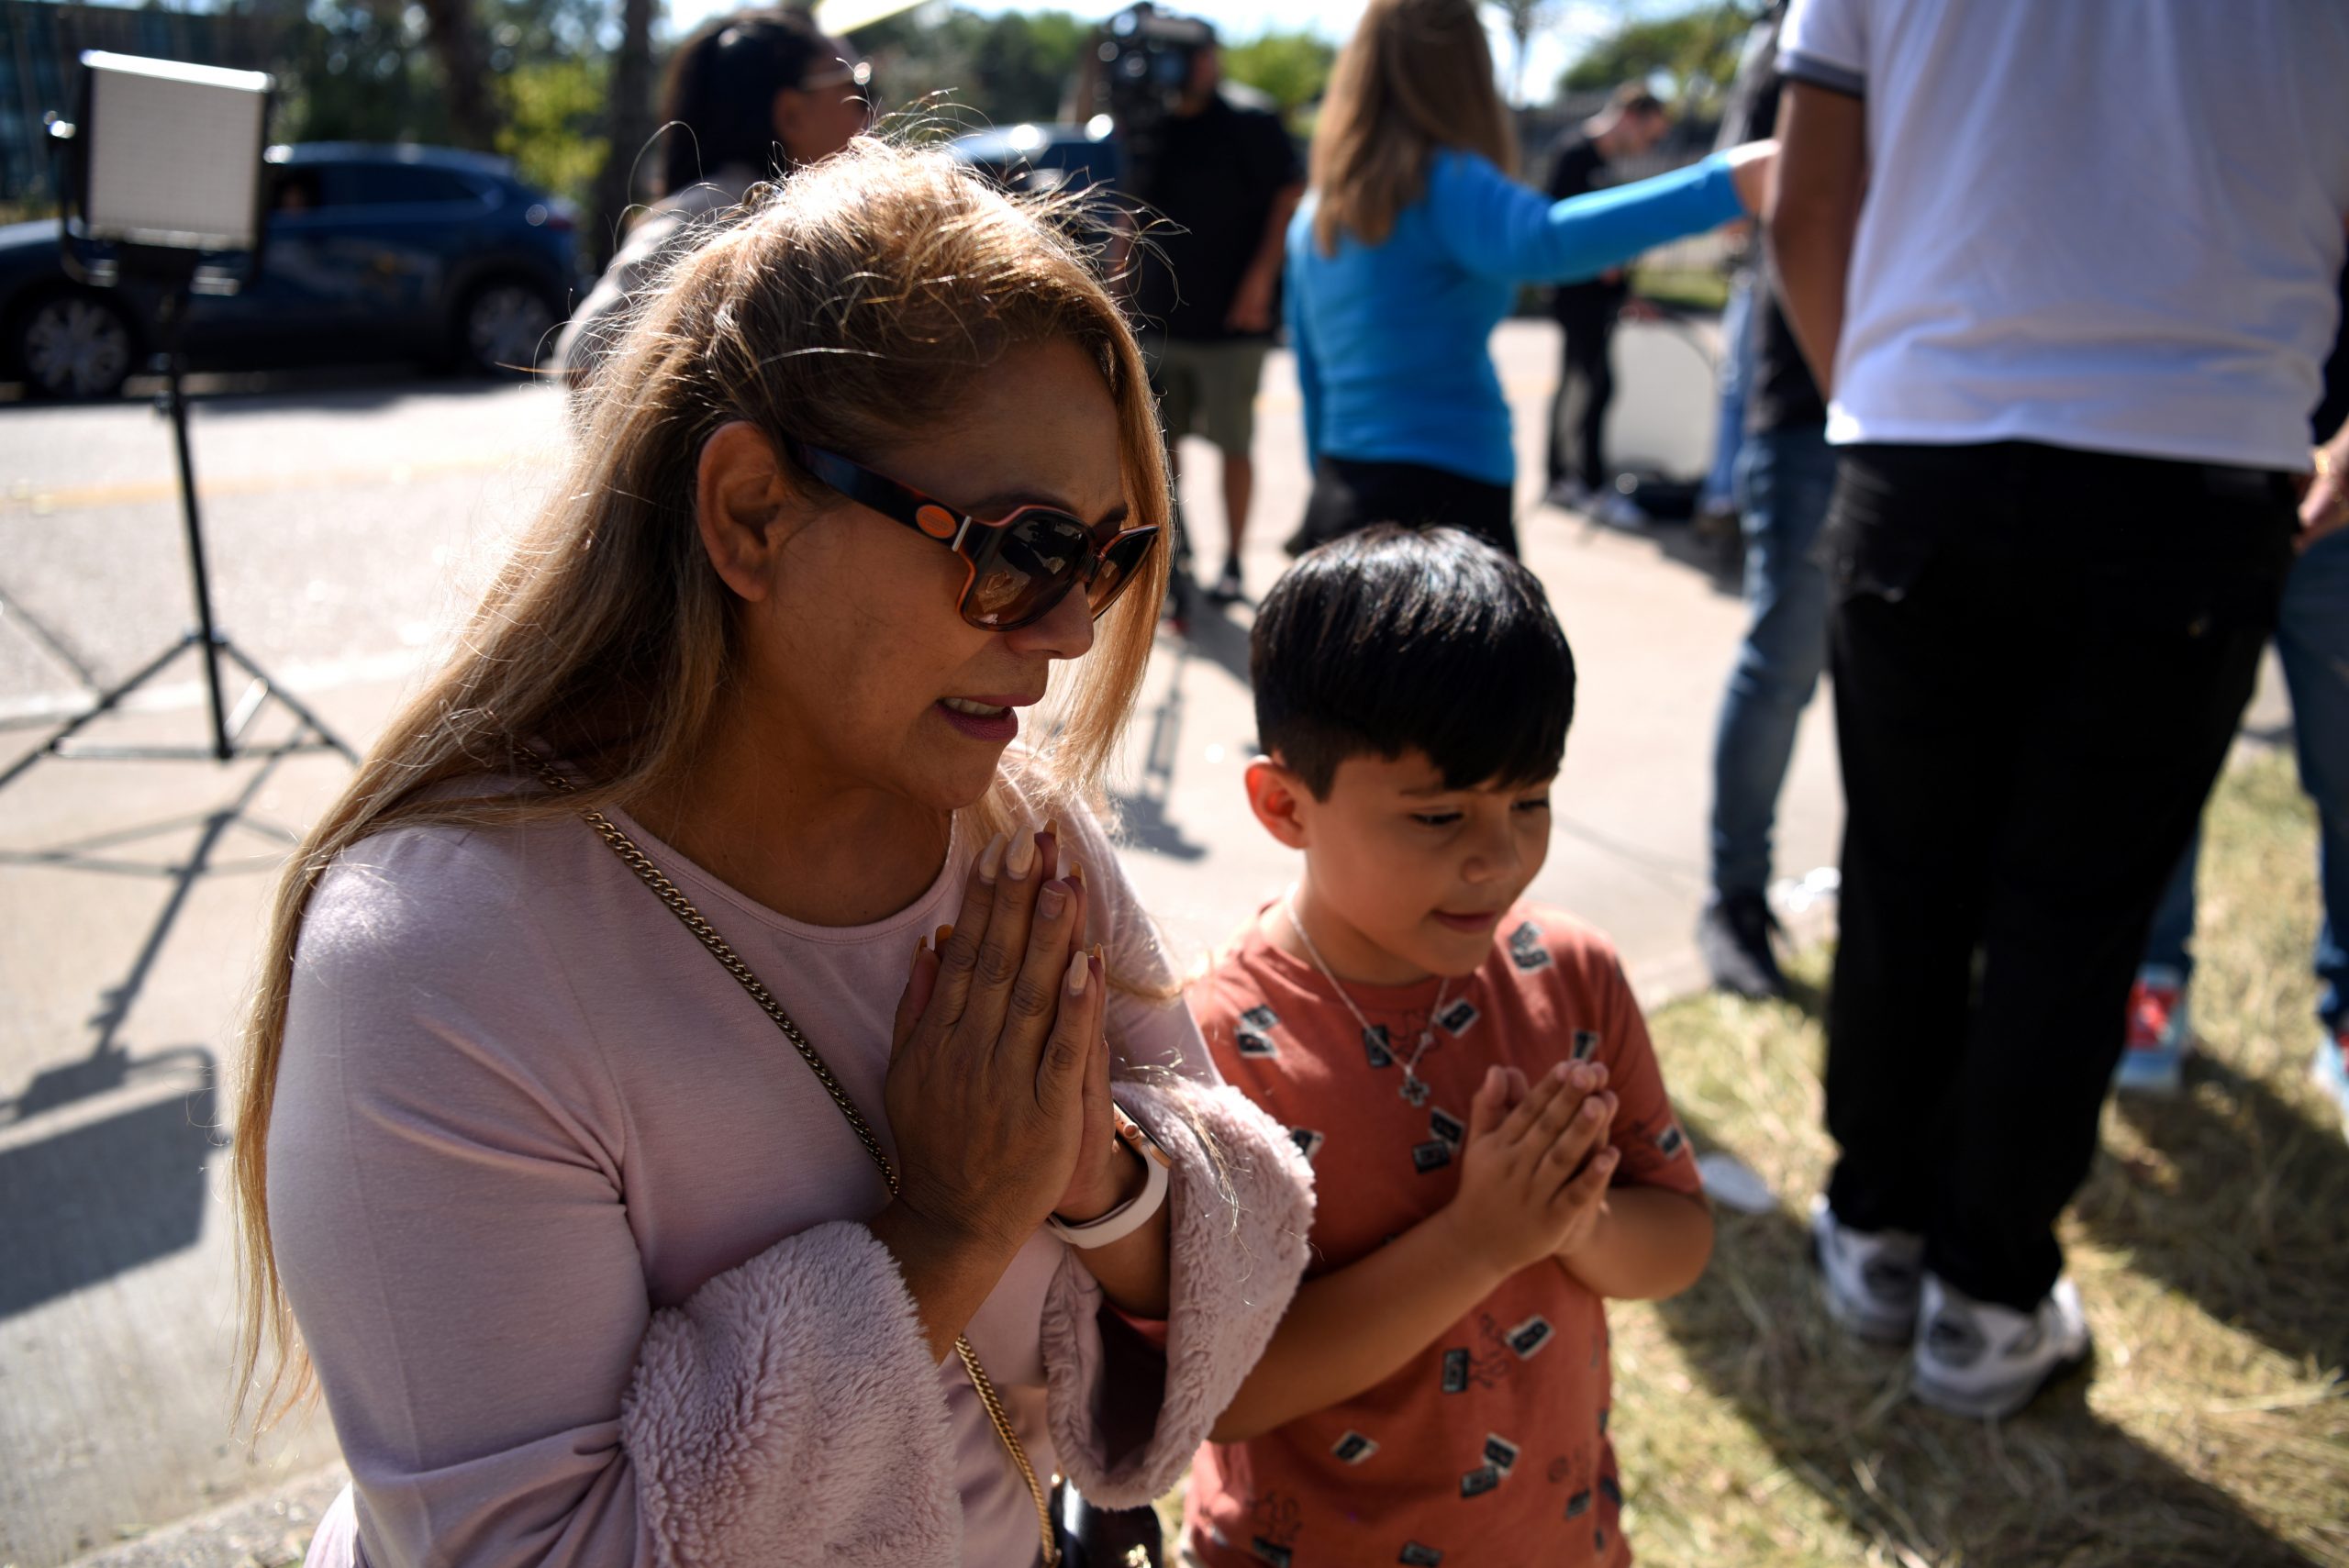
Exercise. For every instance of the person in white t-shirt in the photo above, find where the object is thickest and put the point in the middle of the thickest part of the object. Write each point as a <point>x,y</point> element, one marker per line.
<point>2065,272</point>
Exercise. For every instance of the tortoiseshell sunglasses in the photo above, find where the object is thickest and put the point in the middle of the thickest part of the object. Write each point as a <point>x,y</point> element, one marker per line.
<point>1020,565</point>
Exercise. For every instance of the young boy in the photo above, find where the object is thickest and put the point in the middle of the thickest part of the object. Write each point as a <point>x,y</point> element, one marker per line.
<point>1494,1152</point>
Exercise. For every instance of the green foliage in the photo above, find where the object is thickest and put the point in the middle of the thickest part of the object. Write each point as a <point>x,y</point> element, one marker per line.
<point>362,71</point>
<point>554,113</point>
<point>1292,68</point>
<point>1002,69</point>
<point>359,72</point>
<point>1695,50</point>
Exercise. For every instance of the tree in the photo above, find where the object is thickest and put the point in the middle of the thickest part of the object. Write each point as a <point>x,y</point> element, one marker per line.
<point>1524,18</point>
<point>1697,49</point>
<point>627,129</point>
<point>1290,68</point>
<point>350,72</point>
<point>451,28</point>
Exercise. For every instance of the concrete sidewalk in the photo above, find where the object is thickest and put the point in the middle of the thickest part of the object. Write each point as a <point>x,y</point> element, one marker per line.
<point>132,897</point>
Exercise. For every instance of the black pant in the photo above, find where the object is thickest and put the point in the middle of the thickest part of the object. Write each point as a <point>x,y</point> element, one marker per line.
<point>2038,659</point>
<point>1586,386</point>
<point>1350,494</point>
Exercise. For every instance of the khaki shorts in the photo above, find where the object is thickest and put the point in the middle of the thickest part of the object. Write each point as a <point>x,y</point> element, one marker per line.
<point>1208,389</point>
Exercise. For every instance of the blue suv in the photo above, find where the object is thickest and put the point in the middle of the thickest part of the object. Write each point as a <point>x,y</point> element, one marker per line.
<point>428,254</point>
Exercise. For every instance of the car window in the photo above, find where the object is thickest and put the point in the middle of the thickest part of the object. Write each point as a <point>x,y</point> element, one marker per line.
<point>296,190</point>
<point>403,184</point>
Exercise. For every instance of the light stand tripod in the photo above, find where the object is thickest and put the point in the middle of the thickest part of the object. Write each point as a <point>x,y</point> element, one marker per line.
<point>228,726</point>
<point>163,93</point>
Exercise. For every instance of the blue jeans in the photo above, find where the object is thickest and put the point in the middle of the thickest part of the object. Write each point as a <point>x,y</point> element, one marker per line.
<point>2312,643</point>
<point>1785,479</point>
<point>1737,374</point>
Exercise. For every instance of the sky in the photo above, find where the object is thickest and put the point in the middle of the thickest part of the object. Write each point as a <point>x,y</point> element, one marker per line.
<point>1578,22</point>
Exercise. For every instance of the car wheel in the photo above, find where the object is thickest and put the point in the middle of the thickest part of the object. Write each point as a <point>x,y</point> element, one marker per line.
<point>507,327</point>
<point>75,344</point>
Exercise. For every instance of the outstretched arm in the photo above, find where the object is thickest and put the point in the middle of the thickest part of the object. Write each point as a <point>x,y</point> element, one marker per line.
<point>1494,226</point>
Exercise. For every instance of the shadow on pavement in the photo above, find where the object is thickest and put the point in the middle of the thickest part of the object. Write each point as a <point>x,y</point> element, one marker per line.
<point>1144,819</point>
<point>89,1187</point>
<point>99,1196</point>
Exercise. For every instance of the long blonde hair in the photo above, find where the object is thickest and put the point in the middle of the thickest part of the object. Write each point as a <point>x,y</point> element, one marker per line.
<point>852,307</point>
<point>1416,76</point>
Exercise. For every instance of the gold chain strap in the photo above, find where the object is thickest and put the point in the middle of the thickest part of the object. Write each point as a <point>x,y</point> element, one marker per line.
<point>669,894</point>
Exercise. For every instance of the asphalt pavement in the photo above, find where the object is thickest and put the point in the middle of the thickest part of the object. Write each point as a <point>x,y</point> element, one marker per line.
<point>348,525</point>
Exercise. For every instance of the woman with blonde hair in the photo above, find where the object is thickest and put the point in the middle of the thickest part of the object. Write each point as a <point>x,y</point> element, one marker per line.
<point>709,1100</point>
<point>1409,251</point>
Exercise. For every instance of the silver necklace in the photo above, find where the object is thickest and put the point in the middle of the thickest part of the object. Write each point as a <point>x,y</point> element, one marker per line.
<point>1413,1088</point>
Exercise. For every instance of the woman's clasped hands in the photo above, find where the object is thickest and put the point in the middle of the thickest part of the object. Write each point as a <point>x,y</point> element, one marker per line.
<point>998,1085</point>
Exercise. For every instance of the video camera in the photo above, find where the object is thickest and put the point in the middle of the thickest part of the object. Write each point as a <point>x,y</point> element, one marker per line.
<point>1146,57</point>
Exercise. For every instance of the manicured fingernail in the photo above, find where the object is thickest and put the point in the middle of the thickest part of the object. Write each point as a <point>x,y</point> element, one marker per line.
<point>939,939</point>
<point>991,859</point>
<point>1100,966</point>
<point>1020,858</point>
<point>1077,873</point>
<point>1080,973</point>
<point>1053,902</point>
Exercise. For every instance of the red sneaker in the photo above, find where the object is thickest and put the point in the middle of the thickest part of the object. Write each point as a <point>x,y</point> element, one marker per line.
<point>2153,1061</point>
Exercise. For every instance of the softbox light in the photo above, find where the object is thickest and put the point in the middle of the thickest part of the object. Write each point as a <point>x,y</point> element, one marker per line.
<point>171,154</point>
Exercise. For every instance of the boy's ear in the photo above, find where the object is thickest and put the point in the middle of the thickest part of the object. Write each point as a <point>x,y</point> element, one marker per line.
<point>1280,801</point>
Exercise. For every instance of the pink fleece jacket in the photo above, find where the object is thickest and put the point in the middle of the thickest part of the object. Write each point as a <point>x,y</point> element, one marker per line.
<point>574,1238</point>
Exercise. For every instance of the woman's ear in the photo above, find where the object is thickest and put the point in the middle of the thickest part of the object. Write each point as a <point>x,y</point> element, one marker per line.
<point>743,506</point>
<point>1280,801</point>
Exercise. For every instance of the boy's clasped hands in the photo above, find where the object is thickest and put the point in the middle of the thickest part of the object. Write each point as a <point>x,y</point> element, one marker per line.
<point>1535,1168</point>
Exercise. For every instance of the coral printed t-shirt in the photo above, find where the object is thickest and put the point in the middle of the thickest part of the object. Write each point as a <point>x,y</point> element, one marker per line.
<point>1490,1446</point>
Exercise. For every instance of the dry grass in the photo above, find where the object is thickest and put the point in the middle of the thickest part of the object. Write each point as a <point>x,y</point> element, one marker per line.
<point>2212,1247</point>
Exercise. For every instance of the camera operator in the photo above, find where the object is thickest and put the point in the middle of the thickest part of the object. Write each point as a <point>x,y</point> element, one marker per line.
<point>1219,182</point>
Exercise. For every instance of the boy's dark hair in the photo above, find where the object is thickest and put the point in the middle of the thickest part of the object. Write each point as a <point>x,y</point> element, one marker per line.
<point>1396,638</point>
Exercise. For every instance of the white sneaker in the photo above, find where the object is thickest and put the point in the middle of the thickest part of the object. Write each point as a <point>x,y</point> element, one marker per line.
<point>1868,1279</point>
<point>1982,1359</point>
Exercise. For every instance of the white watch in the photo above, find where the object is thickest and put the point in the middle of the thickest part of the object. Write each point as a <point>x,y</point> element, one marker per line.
<point>1136,1211</point>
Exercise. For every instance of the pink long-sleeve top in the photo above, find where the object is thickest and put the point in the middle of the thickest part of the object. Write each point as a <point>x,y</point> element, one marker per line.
<point>574,1238</point>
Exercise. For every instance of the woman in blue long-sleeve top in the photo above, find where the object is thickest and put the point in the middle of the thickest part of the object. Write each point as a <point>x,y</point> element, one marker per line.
<point>1407,252</point>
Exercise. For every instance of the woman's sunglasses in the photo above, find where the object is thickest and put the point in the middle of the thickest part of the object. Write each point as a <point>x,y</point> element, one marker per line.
<point>859,76</point>
<point>1020,565</point>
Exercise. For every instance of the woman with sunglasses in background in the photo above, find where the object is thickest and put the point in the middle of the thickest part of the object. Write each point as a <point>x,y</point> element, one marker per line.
<point>750,96</point>
<point>710,1098</point>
